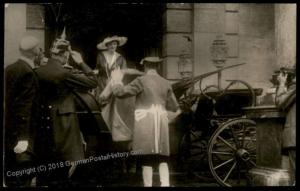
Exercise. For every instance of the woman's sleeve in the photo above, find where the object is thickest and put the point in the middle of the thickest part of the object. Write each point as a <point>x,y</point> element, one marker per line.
<point>123,64</point>
<point>100,65</point>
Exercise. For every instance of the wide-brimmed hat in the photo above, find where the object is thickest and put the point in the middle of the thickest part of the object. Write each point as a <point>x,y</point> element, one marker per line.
<point>121,41</point>
<point>152,59</point>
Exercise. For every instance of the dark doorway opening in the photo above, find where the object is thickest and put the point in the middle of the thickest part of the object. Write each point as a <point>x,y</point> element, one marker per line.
<point>87,24</point>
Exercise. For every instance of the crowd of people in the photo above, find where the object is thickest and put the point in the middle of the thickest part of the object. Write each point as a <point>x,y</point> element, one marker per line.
<point>41,120</point>
<point>42,124</point>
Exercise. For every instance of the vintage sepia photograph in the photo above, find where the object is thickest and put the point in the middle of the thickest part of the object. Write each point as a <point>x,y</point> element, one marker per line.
<point>149,95</point>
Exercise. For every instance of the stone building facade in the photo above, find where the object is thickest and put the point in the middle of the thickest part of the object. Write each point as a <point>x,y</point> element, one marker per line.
<point>261,35</point>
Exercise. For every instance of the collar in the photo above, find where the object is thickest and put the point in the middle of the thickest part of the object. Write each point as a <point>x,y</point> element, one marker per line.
<point>28,61</point>
<point>152,72</point>
<point>110,58</point>
<point>108,54</point>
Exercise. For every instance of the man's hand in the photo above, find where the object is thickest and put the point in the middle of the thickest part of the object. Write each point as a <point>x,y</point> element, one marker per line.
<point>282,77</point>
<point>21,146</point>
<point>76,57</point>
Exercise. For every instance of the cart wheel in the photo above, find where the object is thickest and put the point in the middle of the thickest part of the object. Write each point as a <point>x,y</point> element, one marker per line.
<point>192,149</point>
<point>232,152</point>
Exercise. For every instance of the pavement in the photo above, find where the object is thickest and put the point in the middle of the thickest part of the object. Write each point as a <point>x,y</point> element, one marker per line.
<point>176,180</point>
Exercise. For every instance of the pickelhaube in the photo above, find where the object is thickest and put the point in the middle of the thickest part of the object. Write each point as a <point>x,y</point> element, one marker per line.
<point>60,44</point>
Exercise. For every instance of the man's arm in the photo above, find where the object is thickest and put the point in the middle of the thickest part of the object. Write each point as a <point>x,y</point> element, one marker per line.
<point>85,79</point>
<point>131,89</point>
<point>172,104</point>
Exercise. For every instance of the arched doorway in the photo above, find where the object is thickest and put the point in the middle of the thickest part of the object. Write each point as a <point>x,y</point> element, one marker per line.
<point>89,23</point>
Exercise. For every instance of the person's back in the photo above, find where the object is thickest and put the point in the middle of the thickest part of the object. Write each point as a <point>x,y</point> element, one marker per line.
<point>21,87</point>
<point>154,96</point>
<point>155,91</point>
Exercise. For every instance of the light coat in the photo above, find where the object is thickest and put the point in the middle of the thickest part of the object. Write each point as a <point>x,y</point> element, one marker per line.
<point>151,91</point>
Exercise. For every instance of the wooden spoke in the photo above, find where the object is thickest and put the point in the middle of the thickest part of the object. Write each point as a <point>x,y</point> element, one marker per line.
<point>234,137</point>
<point>244,135</point>
<point>228,144</point>
<point>228,174</point>
<point>253,163</point>
<point>224,163</point>
<point>222,153</point>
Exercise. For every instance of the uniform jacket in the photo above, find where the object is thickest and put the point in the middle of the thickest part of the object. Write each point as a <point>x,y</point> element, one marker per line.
<point>58,111</point>
<point>287,102</point>
<point>21,87</point>
<point>151,91</point>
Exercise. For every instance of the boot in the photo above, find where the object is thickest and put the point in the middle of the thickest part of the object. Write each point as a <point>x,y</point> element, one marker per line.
<point>164,174</point>
<point>147,176</point>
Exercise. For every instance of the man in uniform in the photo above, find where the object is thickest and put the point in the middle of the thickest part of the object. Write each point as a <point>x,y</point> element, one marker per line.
<point>286,101</point>
<point>21,88</point>
<point>154,97</point>
<point>60,139</point>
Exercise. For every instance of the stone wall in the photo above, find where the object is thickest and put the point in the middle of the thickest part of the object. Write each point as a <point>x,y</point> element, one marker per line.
<point>285,34</point>
<point>16,27</point>
<point>177,26</point>
<point>249,32</point>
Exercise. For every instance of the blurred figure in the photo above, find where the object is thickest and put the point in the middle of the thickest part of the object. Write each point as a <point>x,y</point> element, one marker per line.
<point>59,136</point>
<point>109,59</point>
<point>154,97</point>
<point>286,101</point>
<point>40,60</point>
<point>117,113</point>
<point>21,88</point>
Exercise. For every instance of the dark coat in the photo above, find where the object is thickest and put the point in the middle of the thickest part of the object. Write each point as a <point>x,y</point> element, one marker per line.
<point>150,89</point>
<point>287,102</point>
<point>59,122</point>
<point>21,88</point>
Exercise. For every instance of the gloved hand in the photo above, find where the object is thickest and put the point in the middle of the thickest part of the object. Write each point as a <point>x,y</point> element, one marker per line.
<point>21,146</point>
<point>76,56</point>
<point>282,77</point>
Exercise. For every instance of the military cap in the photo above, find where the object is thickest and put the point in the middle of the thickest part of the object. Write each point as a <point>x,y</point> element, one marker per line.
<point>121,41</point>
<point>151,59</point>
<point>60,45</point>
<point>28,43</point>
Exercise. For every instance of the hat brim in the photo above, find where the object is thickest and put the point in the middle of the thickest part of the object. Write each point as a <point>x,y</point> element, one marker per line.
<point>121,41</point>
<point>150,60</point>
